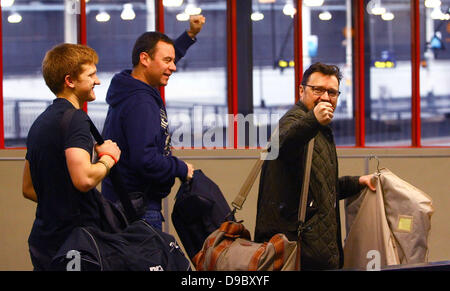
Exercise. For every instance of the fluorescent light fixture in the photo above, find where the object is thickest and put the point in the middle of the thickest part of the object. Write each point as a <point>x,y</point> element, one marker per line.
<point>437,14</point>
<point>103,16</point>
<point>172,3</point>
<point>191,9</point>
<point>313,3</point>
<point>257,16</point>
<point>325,15</point>
<point>182,16</point>
<point>374,7</point>
<point>266,1</point>
<point>378,10</point>
<point>388,16</point>
<point>14,18</point>
<point>289,9</point>
<point>7,3</point>
<point>432,3</point>
<point>128,12</point>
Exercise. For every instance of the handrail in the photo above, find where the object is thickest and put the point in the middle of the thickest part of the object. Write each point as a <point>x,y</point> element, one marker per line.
<point>368,156</point>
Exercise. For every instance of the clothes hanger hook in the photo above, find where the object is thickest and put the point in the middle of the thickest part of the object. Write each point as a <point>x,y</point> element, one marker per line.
<point>378,161</point>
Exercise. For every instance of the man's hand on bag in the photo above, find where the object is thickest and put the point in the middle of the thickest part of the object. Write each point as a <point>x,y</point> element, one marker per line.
<point>109,148</point>
<point>367,180</point>
<point>190,172</point>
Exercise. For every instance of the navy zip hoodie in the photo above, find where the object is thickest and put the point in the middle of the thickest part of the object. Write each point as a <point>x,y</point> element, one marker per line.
<point>137,122</point>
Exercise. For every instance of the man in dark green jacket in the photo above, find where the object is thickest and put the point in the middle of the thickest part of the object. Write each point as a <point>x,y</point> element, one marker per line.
<point>280,183</point>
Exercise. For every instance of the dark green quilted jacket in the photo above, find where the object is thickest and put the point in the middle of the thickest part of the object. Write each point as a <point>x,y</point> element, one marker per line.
<point>280,187</point>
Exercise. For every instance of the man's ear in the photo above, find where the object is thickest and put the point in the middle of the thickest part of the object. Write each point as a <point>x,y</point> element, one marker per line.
<point>68,81</point>
<point>144,59</point>
<point>301,92</point>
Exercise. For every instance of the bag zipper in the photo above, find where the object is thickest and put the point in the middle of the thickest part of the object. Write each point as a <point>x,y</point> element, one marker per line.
<point>149,226</point>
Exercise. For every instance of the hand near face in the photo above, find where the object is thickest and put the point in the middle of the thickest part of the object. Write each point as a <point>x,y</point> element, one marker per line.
<point>195,24</point>
<point>324,112</point>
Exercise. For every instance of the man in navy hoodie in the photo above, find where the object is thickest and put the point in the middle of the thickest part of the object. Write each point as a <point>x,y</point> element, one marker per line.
<point>137,120</point>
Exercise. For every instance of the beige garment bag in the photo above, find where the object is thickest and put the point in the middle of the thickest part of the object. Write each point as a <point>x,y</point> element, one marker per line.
<point>395,221</point>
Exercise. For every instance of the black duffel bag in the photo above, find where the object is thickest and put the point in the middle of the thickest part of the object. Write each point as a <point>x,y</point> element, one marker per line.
<point>139,247</point>
<point>200,208</point>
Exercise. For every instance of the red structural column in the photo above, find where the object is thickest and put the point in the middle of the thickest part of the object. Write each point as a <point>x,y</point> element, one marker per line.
<point>83,23</point>
<point>159,25</point>
<point>82,32</point>
<point>2,124</point>
<point>358,49</point>
<point>415,74</point>
<point>232,82</point>
<point>298,48</point>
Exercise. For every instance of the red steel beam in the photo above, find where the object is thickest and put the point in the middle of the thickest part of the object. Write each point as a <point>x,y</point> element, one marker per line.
<point>2,124</point>
<point>298,48</point>
<point>82,32</point>
<point>358,48</point>
<point>415,74</point>
<point>232,80</point>
<point>159,25</point>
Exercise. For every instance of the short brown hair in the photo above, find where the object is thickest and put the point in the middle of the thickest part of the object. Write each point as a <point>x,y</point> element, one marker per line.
<point>65,59</point>
<point>329,70</point>
<point>147,43</point>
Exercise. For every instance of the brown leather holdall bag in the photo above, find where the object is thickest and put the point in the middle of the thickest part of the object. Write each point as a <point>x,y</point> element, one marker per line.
<point>230,248</point>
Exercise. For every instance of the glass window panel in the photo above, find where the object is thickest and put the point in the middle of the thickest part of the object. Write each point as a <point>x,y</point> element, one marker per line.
<point>112,29</point>
<point>29,29</point>
<point>327,39</point>
<point>388,74</point>
<point>196,96</point>
<point>273,60</point>
<point>434,74</point>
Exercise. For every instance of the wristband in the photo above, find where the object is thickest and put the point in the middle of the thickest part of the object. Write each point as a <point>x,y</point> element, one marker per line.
<point>108,154</point>
<point>108,169</point>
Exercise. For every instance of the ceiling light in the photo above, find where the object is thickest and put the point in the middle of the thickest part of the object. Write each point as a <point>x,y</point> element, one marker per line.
<point>325,15</point>
<point>313,3</point>
<point>14,18</point>
<point>7,3</point>
<point>374,7</point>
<point>289,9</point>
<point>103,16</point>
<point>388,16</point>
<point>128,12</point>
<point>182,16</point>
<point>378,10</point>
<point>266,1</point>
<point>432,3</point>
<point>437,14</point>
<point>257,16</point>
<point>191,9</point>
<point>172,3</point>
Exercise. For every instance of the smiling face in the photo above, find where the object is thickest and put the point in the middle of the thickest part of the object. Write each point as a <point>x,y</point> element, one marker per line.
<point>161,65</point>
<point>85,83</point>
<point>317,79</point>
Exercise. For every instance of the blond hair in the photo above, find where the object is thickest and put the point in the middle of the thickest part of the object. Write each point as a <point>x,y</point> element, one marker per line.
<point>65,59</point>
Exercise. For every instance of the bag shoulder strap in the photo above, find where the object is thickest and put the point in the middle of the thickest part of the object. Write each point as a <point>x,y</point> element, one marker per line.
<point>238,202</point>
<point>305,183</point>
<point>114,174</point>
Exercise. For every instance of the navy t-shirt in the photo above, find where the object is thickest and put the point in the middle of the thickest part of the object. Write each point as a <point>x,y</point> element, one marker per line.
<point>61,207</point>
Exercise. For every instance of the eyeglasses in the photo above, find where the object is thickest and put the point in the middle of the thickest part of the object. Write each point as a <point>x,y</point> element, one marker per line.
<point>319,91</point>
